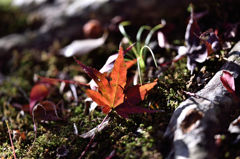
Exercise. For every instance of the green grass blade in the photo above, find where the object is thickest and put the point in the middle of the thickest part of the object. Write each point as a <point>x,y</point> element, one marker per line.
<point>138,37</point>
<point>147,41</point>
<point>122,30</point>
<point>141,52</point>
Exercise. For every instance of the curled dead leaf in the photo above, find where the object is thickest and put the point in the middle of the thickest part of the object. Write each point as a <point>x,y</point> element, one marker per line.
<point>62,151</point>
<point>189,122</point>
<point>227,80</point>
<point>46,111</point>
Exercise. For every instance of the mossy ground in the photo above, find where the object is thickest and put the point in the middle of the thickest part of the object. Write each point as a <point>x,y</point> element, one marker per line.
<point>140,136</point>
<point>137,137</point>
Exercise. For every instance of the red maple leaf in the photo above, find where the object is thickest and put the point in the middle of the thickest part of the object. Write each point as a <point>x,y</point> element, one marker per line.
<point>38,92</point>
<point>112,94</point>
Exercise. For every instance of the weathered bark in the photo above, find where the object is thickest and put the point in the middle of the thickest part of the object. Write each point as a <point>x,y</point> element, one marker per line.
<point>196,121</point>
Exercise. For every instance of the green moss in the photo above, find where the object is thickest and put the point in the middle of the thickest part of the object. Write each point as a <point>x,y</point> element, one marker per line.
<point>140,136</point>
<point>137,137</point>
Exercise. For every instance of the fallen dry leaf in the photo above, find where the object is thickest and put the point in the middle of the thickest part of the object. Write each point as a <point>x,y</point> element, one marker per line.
<point>38,92</point>
<point>228,81</point>
<point>46,111</point>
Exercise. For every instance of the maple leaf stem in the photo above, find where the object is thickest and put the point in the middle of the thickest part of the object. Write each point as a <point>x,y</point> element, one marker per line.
<point>94,136</point>
<point>66,81</point>
<point>9,132</point>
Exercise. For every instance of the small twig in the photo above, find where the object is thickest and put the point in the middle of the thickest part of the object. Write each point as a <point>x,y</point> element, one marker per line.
<point>9,132</point>
<point>93,136</point>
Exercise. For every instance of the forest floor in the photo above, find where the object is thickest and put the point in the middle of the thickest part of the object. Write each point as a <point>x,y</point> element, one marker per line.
<point>139,136</point>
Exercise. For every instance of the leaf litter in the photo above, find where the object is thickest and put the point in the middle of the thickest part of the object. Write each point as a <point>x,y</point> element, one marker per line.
<point>125,104</point>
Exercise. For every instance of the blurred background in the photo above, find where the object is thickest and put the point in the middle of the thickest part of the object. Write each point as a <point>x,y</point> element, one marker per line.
<point>37,24</point>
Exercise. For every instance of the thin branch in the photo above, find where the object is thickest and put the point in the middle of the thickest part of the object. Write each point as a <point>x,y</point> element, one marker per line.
<point>9,132</point>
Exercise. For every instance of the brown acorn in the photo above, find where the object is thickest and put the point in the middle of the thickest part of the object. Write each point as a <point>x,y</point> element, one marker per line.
<point>92,29</point>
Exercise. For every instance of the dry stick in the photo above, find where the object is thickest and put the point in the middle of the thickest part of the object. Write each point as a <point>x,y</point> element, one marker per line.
<point>11,140</point>
<point>93,136</point>
<point>196,121</point>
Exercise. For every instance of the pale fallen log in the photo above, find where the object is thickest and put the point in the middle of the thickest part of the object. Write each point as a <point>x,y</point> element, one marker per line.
<point>197,120</point>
